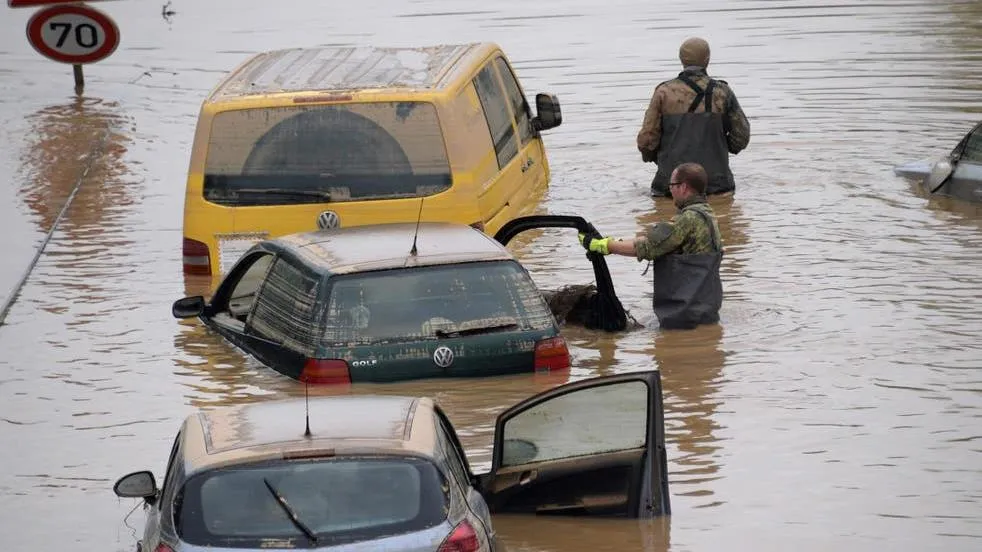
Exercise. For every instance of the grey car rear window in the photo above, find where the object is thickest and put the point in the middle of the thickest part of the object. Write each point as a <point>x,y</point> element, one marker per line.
<point>413,304</point>
<point>340,500</point>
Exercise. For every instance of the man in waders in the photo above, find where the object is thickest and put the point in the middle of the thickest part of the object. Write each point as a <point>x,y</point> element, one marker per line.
<point>686,254</point>
<point>693,118</point>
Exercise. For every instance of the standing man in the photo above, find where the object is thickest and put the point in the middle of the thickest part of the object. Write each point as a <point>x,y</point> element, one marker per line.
<point>693,118</point>
<point>686,253</point>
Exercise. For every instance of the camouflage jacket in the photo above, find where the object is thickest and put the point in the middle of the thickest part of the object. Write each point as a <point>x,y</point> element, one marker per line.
<point>687,233</point>
<point>674,97</point>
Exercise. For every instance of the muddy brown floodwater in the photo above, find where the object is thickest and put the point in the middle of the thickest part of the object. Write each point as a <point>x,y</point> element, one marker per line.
<point>837,405</point>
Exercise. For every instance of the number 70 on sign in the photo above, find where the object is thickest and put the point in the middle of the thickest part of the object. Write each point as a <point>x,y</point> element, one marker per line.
<point>73,33</point>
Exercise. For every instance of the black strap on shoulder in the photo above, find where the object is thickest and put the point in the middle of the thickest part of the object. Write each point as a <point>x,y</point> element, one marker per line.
<point>712,230</point>
<point>700,93</point>
<point>709,95</point>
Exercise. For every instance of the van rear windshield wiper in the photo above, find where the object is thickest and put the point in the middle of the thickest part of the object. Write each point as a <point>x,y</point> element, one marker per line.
<point>291,192</point>
<point>290,513</point>
<point>477,330</point>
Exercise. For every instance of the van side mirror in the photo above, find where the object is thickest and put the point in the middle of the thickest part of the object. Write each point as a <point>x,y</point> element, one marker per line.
<point>547,112</point>
<point>188,307</point>
<point>139,484</point>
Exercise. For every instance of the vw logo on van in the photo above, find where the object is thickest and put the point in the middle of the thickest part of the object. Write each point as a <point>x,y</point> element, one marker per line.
<point>328,219</point>
<point>443,357</point>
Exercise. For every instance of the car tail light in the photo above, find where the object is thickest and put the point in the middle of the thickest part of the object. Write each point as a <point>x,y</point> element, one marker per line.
<point>196,257</point>
<point>479,225</point>
<point>551,354</point>
<point>326,371</point>
<point>163,548</point>
<point>463,539</point>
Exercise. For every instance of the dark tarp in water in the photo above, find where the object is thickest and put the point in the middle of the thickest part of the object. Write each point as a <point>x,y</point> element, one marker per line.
<point>595,307</point>
<point>687,288</point>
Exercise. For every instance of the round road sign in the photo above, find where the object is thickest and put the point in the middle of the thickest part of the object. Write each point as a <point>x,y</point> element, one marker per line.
<point>73,33</point>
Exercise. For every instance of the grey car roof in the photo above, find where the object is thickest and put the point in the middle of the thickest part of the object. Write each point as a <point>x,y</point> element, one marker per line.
<point>346,68</point>
<point>387,246</point>
<point>363,424</point>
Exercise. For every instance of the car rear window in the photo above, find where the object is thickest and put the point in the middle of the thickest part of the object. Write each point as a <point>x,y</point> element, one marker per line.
<point>423,303</point>
<point>339,500</point>
<point>328,153</point>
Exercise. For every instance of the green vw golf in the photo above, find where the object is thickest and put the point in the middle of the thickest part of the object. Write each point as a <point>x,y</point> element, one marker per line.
<point>383,303</point>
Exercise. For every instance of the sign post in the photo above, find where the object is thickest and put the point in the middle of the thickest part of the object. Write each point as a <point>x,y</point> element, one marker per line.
<point>72,33</point>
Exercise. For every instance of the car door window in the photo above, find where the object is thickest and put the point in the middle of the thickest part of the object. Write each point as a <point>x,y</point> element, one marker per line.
<point>243,286</point>
<point>591,421</point>
<point>973,147</point>
<point>495,105</point>
<point>285,307</point>
<point>519,105</point>
<point>171,467</point>
<point>455,453</point>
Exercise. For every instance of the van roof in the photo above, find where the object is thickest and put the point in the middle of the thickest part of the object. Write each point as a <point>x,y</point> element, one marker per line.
<point>349,69</point>
<point>386,246</point>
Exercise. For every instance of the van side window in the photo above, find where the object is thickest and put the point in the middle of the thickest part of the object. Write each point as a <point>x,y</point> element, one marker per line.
<point>284,309</point>
<point>519,106</point>
<point>495,105</point>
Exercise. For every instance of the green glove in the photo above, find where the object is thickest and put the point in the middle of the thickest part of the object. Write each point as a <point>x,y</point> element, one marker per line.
<point>595,244</point>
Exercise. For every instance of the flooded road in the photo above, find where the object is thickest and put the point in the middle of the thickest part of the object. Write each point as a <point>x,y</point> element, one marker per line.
<point>838,404</point>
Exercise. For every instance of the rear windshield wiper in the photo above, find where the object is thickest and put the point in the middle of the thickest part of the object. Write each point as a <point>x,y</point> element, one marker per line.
<point>290,513</point>
<point>477,330</point>
<point>291,192</point>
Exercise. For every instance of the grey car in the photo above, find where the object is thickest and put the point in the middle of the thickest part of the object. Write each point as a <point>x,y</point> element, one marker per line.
<point>958,174</point>
<point>357,473</point>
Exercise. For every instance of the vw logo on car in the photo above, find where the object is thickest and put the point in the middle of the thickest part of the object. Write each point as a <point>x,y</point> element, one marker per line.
<point>328,219</point>
<point>443,356</point>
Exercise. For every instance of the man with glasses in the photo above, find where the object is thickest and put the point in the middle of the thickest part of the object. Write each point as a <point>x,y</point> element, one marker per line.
<point>693,118</point>
<point>686,253</point>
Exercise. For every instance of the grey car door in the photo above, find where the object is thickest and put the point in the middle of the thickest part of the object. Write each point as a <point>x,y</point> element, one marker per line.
<point>593,447</point>
<point>966,180</point>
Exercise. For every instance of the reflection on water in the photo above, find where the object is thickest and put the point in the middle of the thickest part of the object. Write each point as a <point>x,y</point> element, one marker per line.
<point>691,364</point>
<point>835,406</point>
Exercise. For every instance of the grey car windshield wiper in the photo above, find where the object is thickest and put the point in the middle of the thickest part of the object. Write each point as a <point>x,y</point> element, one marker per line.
<point>477,330</point>
<point>293,192</point>
<point>290,513</point>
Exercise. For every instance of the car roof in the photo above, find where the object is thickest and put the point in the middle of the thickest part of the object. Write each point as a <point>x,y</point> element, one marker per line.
<point>339,425</point>
<point>387,246</point>
<point>349,69</point>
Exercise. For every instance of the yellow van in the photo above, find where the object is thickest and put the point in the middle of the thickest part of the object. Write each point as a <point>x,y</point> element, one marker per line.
<point>299,139</point>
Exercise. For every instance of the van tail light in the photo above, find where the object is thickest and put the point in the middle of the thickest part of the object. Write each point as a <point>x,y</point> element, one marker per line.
<point>551,354</point>
<point>479,225</point>
<point>196,257</point>
<point>325,371</point>
<point>163,548</point>
<point>463,539</point>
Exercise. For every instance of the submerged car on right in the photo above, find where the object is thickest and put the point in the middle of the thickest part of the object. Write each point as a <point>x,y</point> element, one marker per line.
<point>957,175</point>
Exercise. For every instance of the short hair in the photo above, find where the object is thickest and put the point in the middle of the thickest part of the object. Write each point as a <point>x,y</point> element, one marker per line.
<point>694,175</point>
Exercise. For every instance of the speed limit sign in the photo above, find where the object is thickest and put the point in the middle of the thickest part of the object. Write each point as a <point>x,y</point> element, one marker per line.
<point>73,33</point>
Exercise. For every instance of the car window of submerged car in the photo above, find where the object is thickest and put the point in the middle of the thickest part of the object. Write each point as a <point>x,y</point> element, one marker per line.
<point>433,302</point>
<point>343,499</point>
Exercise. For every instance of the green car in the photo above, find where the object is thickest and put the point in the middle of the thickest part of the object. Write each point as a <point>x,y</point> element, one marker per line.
<point>386,302</point>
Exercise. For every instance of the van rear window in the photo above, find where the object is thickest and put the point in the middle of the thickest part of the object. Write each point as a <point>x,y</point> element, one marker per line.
<point>337,500</point>
<point>327,153</point>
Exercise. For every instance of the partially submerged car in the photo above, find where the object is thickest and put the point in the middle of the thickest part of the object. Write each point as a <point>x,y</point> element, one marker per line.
<point>383,303</point>
<point>389,473</point>
<point>958,175</point>
<point>335,136</point>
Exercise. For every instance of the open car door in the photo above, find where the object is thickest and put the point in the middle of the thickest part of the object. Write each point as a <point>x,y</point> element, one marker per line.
<point>592,447</point>
<point>604,309</point>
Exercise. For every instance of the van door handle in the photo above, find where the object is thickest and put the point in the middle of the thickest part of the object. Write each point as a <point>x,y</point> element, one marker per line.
<point>527,164</point>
